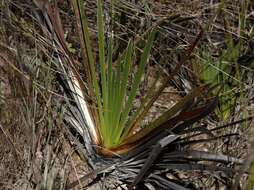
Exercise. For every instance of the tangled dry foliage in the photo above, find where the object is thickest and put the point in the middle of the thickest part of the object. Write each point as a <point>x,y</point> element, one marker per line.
<point>36,150</point>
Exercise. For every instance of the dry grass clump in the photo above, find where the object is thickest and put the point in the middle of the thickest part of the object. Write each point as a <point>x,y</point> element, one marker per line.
<point>34,154</point>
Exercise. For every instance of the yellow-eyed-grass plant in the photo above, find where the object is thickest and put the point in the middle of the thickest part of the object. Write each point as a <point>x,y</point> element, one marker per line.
<point>102,108</point>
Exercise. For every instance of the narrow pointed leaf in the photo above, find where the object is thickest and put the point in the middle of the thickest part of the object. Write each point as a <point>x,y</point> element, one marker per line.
<point>101,41</point>
<point>173,112</point>
<point>152,157</point>
<point>144,58</point>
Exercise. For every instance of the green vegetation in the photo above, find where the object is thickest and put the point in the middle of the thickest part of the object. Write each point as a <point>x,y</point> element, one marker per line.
<point>123,90</point>
<point>113,110</point>
<point>114,94</point>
